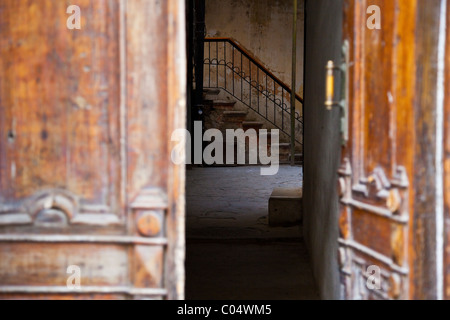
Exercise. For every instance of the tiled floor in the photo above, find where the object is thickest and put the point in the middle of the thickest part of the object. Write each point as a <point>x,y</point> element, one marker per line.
<point>232,203</point>
<point>231,251</point>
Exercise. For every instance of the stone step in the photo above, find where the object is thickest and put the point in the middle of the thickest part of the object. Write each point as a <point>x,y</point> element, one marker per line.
<point>285,207</point>
<point>211,92</point>
<point>268,135</point>
<point>284,150</point>
<point>246,125</point>
<point>223,105</point>
<point>235,116</point>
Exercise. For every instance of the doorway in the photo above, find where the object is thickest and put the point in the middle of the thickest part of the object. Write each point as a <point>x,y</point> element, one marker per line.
<point>238,79</point>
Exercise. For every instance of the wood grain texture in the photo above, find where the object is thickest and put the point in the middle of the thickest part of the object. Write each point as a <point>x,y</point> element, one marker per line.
<point>447,162</point>
<point>60,101</point>
<point>64,297</point>
<point>370,231</point>
<point>391,151</point>
<point>425,210</point>
<point>147,94</point>
<point>174,272</point>
<point>86,118</point>
<point>46,264</point>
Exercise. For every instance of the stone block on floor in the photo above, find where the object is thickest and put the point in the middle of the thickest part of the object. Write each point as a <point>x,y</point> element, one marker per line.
<point>285,207</point>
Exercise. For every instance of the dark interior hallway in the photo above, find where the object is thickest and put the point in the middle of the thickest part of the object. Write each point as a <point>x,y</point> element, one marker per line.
<point>244,81</point>
<point>232,253</point>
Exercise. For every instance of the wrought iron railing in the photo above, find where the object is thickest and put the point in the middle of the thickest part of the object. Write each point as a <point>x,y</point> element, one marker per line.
<point>230,67</point>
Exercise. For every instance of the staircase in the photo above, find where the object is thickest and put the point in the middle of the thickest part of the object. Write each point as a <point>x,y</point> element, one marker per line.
<point>240,93</point>
<point>220,113</point>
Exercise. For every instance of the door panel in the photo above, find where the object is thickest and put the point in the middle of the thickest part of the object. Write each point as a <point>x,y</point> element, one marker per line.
<point>389,175</point>
<point>60,111</point>
<point>376,170</point>
<point>85,174</point>
<point>446,148</point>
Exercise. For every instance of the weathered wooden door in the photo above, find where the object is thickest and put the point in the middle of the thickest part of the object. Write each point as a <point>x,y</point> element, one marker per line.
<point>387,180</point>
<point>446,149</point>
<point>90,204</point>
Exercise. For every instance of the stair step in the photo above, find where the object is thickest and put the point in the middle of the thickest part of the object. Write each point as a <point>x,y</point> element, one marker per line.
<point>208,102</point>
<point>284,150</point>
<point>211,92</point>
<point>246,125</point>
<point>223,105</point>
<point>285,207</point>
<point>268,135</point>
<point>235,116</point>
<point>284,147</point>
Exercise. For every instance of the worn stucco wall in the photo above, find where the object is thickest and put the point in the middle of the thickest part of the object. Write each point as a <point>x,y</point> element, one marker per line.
<point>264,27</point>
<point>322,145</point>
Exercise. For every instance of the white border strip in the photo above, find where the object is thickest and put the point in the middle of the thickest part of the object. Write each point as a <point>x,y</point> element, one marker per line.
<point>440,96</point>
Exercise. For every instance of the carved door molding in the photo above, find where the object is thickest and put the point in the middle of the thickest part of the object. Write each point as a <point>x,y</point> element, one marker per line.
<point>389,197</point>
<point>381,205</point>
<point>376,169</point>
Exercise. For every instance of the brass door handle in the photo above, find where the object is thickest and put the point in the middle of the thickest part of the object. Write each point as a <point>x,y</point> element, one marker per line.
<point>329,84</point>
<point>330,101</point>
<point>329,81</point>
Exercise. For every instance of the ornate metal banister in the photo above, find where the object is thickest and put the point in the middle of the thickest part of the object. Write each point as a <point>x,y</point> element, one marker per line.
<point>230,67</point>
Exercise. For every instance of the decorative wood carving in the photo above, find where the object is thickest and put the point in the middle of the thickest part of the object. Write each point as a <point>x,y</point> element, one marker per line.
<point>373,196</point>
<point>149,223</point>
<point>55,202</point>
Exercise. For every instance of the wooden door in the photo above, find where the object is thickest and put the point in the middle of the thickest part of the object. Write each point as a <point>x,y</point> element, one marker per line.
<point>446,155</point>
<point>86,181</point>
<point>387,180</point>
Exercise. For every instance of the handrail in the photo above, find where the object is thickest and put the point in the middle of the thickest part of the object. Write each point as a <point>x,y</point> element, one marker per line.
<point>252,59</point>
<point>257,88</point>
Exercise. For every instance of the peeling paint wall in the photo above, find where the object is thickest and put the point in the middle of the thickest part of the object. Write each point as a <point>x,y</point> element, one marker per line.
<point>264,28</point>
